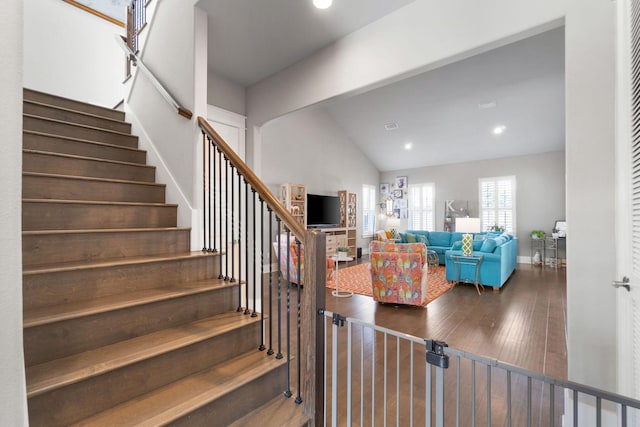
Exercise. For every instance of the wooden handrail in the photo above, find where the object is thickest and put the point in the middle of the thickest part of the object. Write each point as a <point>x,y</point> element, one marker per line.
<point>255,182</point>
<point>184,112</point>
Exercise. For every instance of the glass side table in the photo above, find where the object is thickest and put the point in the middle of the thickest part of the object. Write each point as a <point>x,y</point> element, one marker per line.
<point>474,261</point>
<point>432,260</point>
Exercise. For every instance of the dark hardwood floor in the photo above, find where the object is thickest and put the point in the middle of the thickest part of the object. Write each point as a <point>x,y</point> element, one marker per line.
<point>523,325</point>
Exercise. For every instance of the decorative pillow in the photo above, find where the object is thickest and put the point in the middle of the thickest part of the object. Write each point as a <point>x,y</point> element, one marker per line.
<point>457,245</point>
<point>411,238</point>
<point>382,235</point>
<point>488,246</point>
<point>479,236</point>
<point>403,237</point>
<point>423,239</point>
<point>389,236</point>
<point>477,244</point>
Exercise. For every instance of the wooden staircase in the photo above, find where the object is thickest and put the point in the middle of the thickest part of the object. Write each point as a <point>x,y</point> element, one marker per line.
<point>123,325</point>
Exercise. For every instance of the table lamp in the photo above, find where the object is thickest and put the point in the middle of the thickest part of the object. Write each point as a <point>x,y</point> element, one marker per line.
<point>467,226</point>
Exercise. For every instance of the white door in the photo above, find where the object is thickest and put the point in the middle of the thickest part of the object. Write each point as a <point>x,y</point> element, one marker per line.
<point>628,200</point>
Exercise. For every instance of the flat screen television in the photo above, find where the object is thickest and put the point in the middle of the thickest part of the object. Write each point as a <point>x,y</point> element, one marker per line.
<point>323,211</point>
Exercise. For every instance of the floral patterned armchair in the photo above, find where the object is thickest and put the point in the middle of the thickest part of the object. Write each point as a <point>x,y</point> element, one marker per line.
<point>293,260</point>
<point>399,272</point>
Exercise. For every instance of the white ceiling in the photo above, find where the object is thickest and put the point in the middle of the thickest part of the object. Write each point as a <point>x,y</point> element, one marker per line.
<point>269,35</point>
<point>436,111</point>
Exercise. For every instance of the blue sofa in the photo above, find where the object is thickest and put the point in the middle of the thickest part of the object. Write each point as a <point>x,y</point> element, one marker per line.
<point>497,265</point>
<point>499,261</point>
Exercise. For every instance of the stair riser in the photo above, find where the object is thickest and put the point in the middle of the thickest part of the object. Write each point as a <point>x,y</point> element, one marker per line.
<point>63,145</point>
<point>79,216</point>
<point>78,401</point>
<point>45,249</point>
<point>43,343</point>
<point>52,112</point>
<point>46,163</point>
<point>53,288</point>
<point>237,403</point>
<point>46,98</point>
<point>59,188</point>
<point>38,124</point>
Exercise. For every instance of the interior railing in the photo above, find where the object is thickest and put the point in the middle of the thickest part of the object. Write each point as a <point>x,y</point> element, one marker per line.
<point>252,230</point>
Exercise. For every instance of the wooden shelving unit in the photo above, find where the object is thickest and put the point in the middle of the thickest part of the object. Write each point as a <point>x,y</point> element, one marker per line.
<point>294,198</point>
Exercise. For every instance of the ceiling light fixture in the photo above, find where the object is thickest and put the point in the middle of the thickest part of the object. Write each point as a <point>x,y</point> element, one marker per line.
<point>391,126</point>
<point>498,130</point>
<point>408,146</point>
<point>322,4</point>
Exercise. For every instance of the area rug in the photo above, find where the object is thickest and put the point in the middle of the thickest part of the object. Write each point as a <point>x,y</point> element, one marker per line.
<point>357,279</point>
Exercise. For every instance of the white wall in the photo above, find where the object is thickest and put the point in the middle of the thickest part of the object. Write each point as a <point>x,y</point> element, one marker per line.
<point>591,304</point>
<point>13,405</point>
<point>306,147</point>
<point>175,51</point>
<point>540,182</point>
<point>225,94</point>
<point>72,53</point>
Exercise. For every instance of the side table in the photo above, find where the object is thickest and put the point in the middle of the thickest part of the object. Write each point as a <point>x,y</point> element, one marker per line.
<point>432,260</point>
<point>458,261</point>
<point>338,292</point>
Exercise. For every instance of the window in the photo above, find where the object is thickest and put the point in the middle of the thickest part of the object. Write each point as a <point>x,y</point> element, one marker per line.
<point>498,203</point>
<point>421,201</point>
<point>368,210</point>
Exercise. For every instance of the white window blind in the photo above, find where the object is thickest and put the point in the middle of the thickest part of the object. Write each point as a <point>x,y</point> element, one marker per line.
<point>421,201</point>
<point>498,202</point>
<point>635,136</point>
<point>368,210</point>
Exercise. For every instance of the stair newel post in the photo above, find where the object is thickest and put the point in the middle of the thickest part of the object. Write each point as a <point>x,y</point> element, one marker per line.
<point>246,247</point>
<point>261,281</point>
<point>226,219</point>
<point>205,173</point>
<point>313,304</point>
<point>298,354</point>
<point>270,351</point>
<point>287,392</point>
<point>220,275</point>
<point>279,299</point>
<point>253,204</point>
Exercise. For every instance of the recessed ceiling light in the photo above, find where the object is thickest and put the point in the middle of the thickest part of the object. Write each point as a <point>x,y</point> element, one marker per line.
<point>499,129</point>
<point>408,146</point>
<point>391,126</point>
<point>487,105</point>
<point>322,4</point>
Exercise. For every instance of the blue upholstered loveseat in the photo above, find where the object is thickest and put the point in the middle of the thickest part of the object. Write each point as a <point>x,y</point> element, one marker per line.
<point>499,253</point>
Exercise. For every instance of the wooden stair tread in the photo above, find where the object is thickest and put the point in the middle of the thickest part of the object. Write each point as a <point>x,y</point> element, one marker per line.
<point>71,110</point>
<point>47,315</point>
<point>103,230</point>
<point>32,95</point>
<point>86,141</point>
<point>91,178</point>
<point>84,265</point>
<point>57,373</point>
<point>77,125</point>
<point>97,202</point>
<point>94,159</point>
<point>280,411</point>
<point>171,402</point>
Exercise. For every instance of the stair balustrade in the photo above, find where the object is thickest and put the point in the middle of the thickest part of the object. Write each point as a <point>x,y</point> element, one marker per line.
<point>239,214</point>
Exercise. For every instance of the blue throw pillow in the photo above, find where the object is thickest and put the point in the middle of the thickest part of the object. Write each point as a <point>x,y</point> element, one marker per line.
<point>488,246</point>
<point>457,245</point>
<point>403,237</point>
<point>423,239</point>
<point>479,237</point>
<point>477,244</point>
<point>411,238</point>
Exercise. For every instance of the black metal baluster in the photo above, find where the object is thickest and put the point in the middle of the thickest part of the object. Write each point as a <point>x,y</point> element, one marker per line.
<point>205,145</point>
<point>279,355</point>
<point>287,392</point>
<point>246,246</point>
<point>226,218</point>
<point>233,230</point>
<point>212,197</point>
<point>298,354</point>
<point>220,275</point>
<point>270,351</point>
<point>262,346</point>
<point>209,192</point>
<point>255,296</point>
